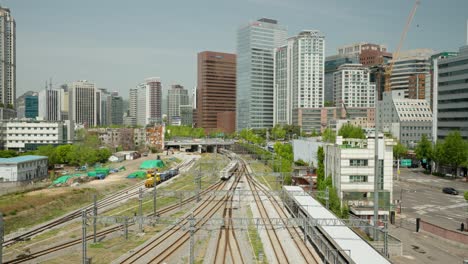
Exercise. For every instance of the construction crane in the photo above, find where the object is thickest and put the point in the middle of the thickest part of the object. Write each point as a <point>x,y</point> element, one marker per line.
<point>389,68</point>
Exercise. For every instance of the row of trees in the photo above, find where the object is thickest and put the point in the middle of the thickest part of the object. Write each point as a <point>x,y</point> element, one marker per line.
<point>346,131</point>
<point>75,155</point>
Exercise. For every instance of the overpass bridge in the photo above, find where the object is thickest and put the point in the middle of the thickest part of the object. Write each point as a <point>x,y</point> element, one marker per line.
<point>199,145</point>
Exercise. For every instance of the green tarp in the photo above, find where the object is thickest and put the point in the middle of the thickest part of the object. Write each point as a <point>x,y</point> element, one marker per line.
<point>64,178</point>
<point>151,164</point>
<point>137,174</point>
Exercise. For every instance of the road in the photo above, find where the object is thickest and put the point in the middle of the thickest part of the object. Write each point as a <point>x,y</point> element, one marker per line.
<point>422,196</point>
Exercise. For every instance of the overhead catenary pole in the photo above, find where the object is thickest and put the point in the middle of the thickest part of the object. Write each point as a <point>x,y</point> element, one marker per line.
<point>154,195</point>
<point>83,237</point>
<point>140,210</point>
<point>95,218</point>
<point>192,238</point>
<point>1,237</point>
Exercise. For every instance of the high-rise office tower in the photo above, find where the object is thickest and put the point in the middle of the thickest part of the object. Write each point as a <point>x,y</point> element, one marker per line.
<point>84,103</point>
<point>352,86</point>
<point>176,96</point>
<point>50,104</point>
<point>7,59</point>
<point>216,88</point>
<point>299,75</point>
<point>114,112</point>
<point>255,51</point>
<point>27,105</point>
<point>410,66</point>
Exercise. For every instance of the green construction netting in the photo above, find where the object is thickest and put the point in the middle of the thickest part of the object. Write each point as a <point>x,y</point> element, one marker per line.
<point>64,178</point>
<point>151,164</point>
<point>137,174</point>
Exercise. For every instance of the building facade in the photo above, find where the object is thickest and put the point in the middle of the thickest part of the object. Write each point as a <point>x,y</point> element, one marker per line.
<point>186,115</point>
<point>357,48</point>
<point>352,86</point>
<point>372,54</point>
<point>50,104</point>
<point>84,103</point>
<point>24,135</point>
<point>451,95</point>
<point>254,89</point>
<point>7,59</point>
<point>114,110</point>
<point>176,96</point>
<point>216,87</point>
<point>409,63</point>
<point>225,122</point>
<point>350,162</point>
<point>27,105</point>
<point>332,63</point>
<point>405,119</point>
<point>299,75</point>
<point>23,168</point>
<point>153,101</point>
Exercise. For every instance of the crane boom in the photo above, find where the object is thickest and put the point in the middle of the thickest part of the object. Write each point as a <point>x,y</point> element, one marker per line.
<point>389,68</point>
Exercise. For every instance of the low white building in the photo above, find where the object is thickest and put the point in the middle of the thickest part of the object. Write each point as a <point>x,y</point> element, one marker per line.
<point>350,163</point>
<point>23,168</point>
<point>27,134</point>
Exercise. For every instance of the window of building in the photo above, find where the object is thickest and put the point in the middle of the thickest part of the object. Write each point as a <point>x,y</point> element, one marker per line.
<point>358,162</point>
<point>357,178</point>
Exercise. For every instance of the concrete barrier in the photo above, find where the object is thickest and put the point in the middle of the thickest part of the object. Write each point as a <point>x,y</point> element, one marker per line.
<point>444,233</point>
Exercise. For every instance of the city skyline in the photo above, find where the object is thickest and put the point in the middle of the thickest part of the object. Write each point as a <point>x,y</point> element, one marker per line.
<point>87,44</point>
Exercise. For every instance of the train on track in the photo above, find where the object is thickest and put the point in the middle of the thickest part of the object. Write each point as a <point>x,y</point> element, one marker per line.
<point>232,167</point>
<point>158,177</point>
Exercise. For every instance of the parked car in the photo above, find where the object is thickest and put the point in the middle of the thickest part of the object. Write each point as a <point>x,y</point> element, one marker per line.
<point>450,190</point>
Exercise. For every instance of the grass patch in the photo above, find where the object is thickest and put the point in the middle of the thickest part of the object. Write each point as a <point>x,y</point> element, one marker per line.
<point>266,178</point>
<point>254,239</point>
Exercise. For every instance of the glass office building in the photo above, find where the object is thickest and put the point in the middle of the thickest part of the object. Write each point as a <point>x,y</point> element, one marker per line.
<point>254,94</point>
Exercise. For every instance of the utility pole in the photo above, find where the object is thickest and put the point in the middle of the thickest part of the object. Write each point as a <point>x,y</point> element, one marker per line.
<point>385,236</point>
<point>83,238</point>
<point>192,238</point>
<point>1,237</point>
<point>95,218</point>
<point>140,210</point>
<point>154,196</point>
<point>376,165</point>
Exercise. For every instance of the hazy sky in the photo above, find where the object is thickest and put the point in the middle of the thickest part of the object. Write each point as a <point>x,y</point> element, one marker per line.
<point>117,44</point>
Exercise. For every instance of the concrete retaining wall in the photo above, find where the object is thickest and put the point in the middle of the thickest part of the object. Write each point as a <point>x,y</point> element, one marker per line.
<point>444,233</point>
<point>11,187</point>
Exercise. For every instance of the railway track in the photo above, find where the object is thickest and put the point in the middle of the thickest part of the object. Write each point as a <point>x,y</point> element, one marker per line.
<point>307,253</point>
<point>204,212</point>
<point>227,247</point>
<point>278,249</point>
<point>107,231</point>
<point>122,195</point>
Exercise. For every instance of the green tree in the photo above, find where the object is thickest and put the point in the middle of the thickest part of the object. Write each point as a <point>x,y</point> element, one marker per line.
<point>399,151</point>
<point>456,149</point>
<point>103,154</point>
<point>350,131</point>
<point>8,154</point>
<point>48,151</point>
<point>438,155</point>
<point>465,195</point>
<point>328,104</point>
<point>424,148</point>
<point>320,164</point>
<point>63,153</point>
<point>278,132</point>
<point>328,135</point>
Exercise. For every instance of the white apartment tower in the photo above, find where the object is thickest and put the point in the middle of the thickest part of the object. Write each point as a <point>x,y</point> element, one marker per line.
<point>352,86</point>
<point>299,75</point>
<point>255,65</point>
<point>7,58</point>
<point>148,102</point>
<point>84,103</point>
<point>50,104</point>
<point>176,97</point>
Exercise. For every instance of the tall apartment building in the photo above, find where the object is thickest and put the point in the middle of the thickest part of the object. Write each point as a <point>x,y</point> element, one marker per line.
<point>331,66</point>
<point>255,51</point>
<point>7,60</point>
<point>145,102</point>
<point>299,75</point>
<point>451,95</point>
<point>84,103</point>
<point>114,112</point>
<point>352,86</point>
<point>176,96</point>
<point>216,87</point>
<point>50,104</point>
<point>408,64</point>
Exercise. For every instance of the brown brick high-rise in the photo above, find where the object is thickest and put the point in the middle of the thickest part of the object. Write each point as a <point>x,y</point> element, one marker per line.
<point>216,88</point>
